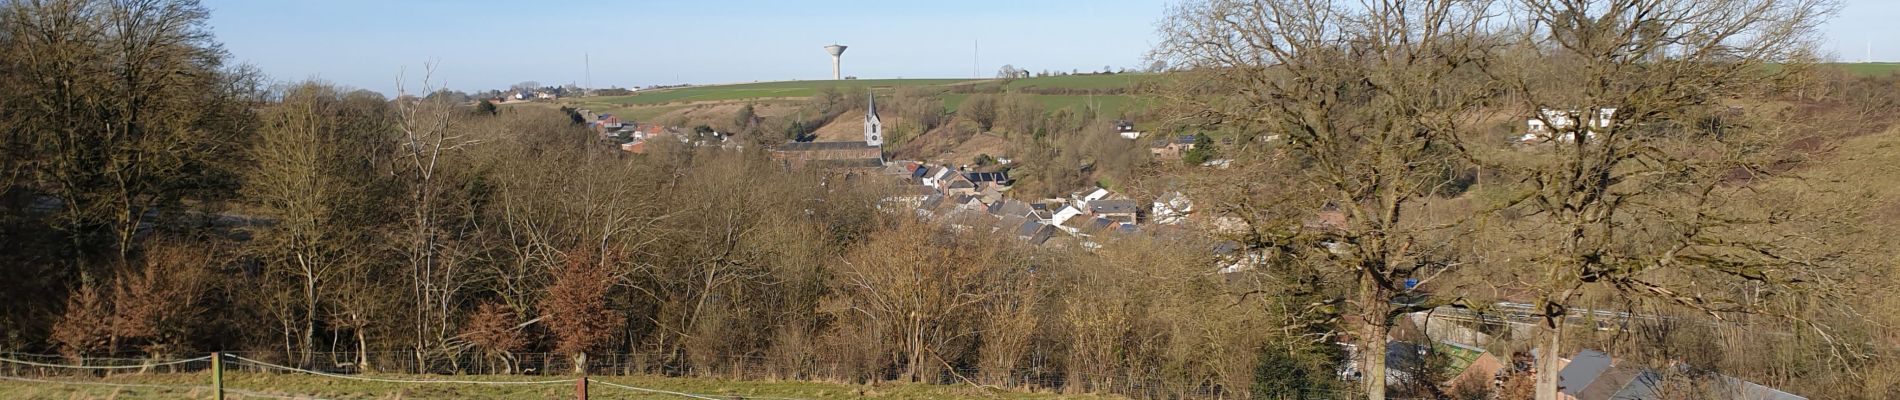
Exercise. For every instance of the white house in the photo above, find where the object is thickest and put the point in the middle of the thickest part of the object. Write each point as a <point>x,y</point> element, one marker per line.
<point>1171,208</point>
<point>1064,214</point>
<point>1551,123</point>
<point>938,176</point>
<point>1081,199</point>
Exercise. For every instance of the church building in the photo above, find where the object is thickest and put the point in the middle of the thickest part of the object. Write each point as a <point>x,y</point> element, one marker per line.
<point>868,153</point>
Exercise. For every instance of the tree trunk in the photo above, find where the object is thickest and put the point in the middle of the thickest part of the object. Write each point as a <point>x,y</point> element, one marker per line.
<point>580,363</point>
<point>1547,350</point>
<point>912,370</point>
<point>1372,344</point>
<point>309,316</point>
<point>362,349</point>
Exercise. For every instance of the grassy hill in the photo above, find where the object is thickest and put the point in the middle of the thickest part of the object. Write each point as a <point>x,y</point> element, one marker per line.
<point>762,90</point>
<point>802,89</point>
<point>656,104</point>
<point>1870,69</point>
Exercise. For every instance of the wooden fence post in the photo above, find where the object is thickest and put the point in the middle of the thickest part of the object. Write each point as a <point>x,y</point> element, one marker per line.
<point>217,375</point>
<point>580,385</point>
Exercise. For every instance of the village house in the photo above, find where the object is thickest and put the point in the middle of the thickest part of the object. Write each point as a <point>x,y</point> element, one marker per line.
<point>1171,149</point>
<point>1011,208</point>
<point>1126,129</point>
<point>1118,210</point>
<point>1081,198</point>
<point>1064,214</point>
<point>1171,208</point>
<point>1034,232</point>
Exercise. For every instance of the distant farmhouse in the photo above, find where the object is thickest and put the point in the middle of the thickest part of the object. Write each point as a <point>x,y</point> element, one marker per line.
<point>868,153</point>
<point>1171,149</point>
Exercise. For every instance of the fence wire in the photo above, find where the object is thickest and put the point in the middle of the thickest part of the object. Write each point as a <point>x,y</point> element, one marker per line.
<point>1034,377</point>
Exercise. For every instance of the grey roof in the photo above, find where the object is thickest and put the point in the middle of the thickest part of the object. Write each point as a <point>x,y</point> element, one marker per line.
<point>1740,389</point>
<point>987,176</point>
<point>809,146</point>
<point>932,201</point>
<point>961,199</point>
<point>1118,206</point>
<point>1010,208</point>
<point>846,163</point>
<point>1097,225</point>
<point>1035,232</point>
<point>1583,369</point>
<point>1622,383</point>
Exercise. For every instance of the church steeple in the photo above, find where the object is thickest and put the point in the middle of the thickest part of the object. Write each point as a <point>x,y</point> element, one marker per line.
<point>873,128</point>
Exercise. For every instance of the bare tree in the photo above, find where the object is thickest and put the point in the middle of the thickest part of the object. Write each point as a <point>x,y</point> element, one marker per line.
<point>1630,191</point>
<point>308,178</point>
<point>915,285</point>
<point>1367,98</point>
<point>133,114</point>
<point>429,135</point>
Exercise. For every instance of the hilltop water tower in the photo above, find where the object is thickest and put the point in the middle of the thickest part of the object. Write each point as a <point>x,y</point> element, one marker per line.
<point>837,52</point>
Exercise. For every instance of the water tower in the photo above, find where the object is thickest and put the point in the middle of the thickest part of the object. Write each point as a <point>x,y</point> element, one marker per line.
<point>837,52</point>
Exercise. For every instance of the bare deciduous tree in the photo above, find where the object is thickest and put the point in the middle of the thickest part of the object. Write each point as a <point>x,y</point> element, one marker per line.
<point>1643,183</point>
<point>1368,100</point>
<point>430,137</point>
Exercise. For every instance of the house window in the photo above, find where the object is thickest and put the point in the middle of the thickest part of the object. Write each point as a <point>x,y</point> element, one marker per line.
<point>873,128</point>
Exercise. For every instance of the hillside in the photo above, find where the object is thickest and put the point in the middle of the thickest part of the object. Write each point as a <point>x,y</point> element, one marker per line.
<point>761,90</point>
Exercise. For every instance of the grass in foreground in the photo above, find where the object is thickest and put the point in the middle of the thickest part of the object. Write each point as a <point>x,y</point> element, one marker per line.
<point>245,385</point>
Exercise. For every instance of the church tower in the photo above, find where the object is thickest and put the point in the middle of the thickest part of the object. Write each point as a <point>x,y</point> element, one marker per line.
<point>873,129</point>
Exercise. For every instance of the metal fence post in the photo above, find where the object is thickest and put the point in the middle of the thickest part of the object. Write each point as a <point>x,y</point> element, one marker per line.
<point>217,375</point>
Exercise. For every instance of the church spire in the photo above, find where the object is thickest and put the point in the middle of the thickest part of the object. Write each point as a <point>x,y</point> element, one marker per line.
<point>873,128</point>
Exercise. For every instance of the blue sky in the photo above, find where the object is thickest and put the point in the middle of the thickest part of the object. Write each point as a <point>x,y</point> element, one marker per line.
<point>493,44</point>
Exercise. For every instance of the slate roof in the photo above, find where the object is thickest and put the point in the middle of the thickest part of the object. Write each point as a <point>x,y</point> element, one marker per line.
<point>1119,206</point>
<point>1010,208</point>
<point>1582,371</point>
<point>1622,383</point>
<point>932,201</point>
<point>1035,232</point>
<point>987,176</point>
<point>846,163</point>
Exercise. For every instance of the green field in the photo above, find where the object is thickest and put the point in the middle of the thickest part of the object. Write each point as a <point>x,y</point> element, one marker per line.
<point>1083,81</point>
<point>1105,104</point>
<point>786,89</point>
<point>1870,69</point>
<point>1862,69</point>
<point>270,385</point>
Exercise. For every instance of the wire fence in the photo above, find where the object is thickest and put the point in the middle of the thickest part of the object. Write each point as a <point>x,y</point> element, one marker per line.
<point>560,369</point>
